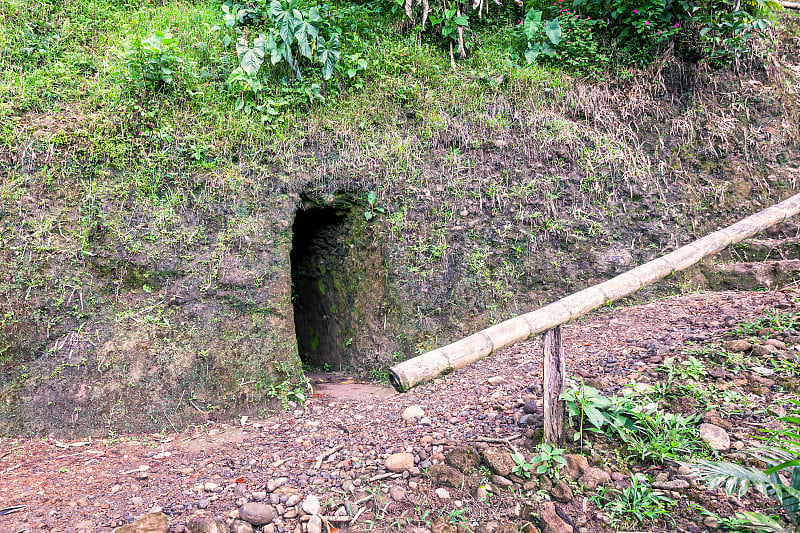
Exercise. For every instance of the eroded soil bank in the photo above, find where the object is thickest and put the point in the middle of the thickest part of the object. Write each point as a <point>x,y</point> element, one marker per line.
<point>142,288</point>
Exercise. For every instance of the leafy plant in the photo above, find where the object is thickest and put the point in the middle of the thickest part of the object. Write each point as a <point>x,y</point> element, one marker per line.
<point>372,208</point>
<point>584,402</point>
<point>692,368</point>
<point>152,61</point>
<point>660,436</point>
<point>533,28</point>
<point>522,467</point>
<point>298,35</point>
<point>636,504</point>
<point>550,459</point>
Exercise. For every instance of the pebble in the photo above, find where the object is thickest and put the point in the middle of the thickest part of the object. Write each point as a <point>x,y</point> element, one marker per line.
<point>398,462</point>
<point>311,505</point>
<point>397,493</point>
<point>411,412</point>
<point>314,525</point>
<point>442,493</point>
<point>256,513</point>
<point>716,437</point>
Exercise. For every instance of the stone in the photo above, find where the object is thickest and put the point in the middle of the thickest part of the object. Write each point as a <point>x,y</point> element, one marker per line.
<point>551,521</point>
<point>397,493</point>
<point>240,526</point>
<point>530,407</point>
<point>762,371</point>
<point>496,380</point>
<point>411,412</point>
<point>561,492</point>
<point>399,462</point>
<point>594,477</point>
<point>776,343</point>
<point>576,465</point>
<point>151,523</point>
<point>463,458</point>
<point>716,437</point>
<point>446,475</point>
<point>314,525</point>
<point>205,524</point>
<point>499,461</point>
<point>275,484</point>
<point>713,417</point>
<point>311,505</point>
<point>760,350</point>
<point>442,493</point>
<point>737,346</point>
<point>532,420</point>
<point>257,513</point>
<point>500,481</point>
<point>676,485</point>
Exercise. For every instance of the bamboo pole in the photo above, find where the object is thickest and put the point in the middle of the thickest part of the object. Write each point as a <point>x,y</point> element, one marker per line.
<point>790,5</point>
<point>414,371</point>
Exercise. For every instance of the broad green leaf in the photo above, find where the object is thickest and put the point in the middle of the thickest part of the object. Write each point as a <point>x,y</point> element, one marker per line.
<point>274,51</point>
<point>532,53</point>
<point>553,31</point>
<point>328,54</point>
<point>305,33</point>
<point>372,197</point>
<point>250,59</point>
<point>461,21</point>
<point>531,25</point>
<point>594,415</point>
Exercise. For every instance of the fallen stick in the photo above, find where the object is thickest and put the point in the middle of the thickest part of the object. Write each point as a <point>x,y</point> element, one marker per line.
<point>326,454</point>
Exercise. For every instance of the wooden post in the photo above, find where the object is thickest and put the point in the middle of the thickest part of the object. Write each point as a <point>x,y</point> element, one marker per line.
<point>554,384</point>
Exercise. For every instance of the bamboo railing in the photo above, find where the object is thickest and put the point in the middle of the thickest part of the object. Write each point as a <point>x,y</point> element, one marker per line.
<point>412,372</point>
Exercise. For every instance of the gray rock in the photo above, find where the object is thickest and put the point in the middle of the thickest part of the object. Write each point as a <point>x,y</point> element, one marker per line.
<point>530,420</point>
<point>446,475</point>
<point>496,380</point>
<point>576,465</point>
<point>500,481</point>
<point>256,513</point>
<point>561,492</point>
<point>399,462</point>
<point>737,346</point>
<point>530,407</point>
<point>397,493</point>
<point>151,523</point>
<point>676,485</point>
<point>463,458</point>
<point>716,437</point>
<point>274,484</point>
<point>411,412</point>
<point>594,477</point>
<point>551,521</point>
<point>311,505</point>
<point>240,526</point>
<point>205,524</point>
<point>314,525</point>
<point>498,460</point>
<point>442,493</point>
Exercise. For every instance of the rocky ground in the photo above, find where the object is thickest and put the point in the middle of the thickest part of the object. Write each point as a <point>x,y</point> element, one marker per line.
<point>360,457</point>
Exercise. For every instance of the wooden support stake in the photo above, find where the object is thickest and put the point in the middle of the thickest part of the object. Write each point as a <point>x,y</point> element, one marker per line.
<point>554,384</point>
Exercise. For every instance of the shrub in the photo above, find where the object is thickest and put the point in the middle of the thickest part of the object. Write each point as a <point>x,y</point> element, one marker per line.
<point>153,62</point>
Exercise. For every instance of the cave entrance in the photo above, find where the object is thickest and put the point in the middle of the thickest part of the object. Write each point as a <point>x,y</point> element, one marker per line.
<point>343,308</point>
<point>319,259</point>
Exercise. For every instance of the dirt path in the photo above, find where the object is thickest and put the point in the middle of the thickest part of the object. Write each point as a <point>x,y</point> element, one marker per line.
<point>98,486</point>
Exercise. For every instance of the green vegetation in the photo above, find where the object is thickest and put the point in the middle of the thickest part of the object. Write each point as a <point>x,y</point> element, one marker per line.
<point>636,505</point>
